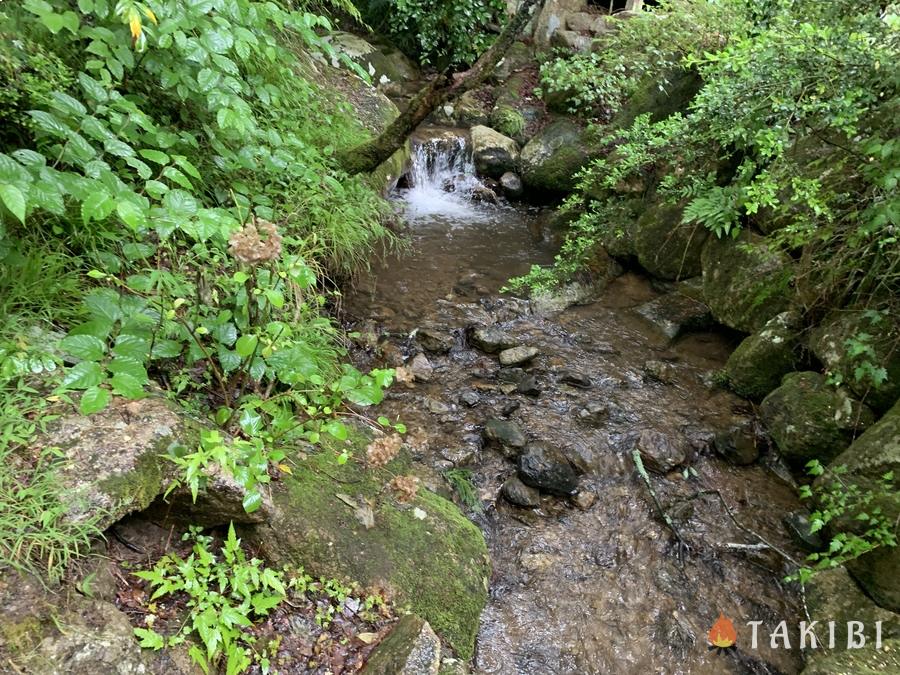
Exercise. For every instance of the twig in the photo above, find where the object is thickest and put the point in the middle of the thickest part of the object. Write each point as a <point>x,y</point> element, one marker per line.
<point>639,464</point>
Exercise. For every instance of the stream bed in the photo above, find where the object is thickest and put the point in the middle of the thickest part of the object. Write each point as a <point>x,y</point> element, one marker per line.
<point>594,583</point>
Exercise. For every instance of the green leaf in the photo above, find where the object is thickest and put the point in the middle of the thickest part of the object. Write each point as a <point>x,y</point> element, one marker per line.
<point>104,304</point>
<point>128,366</point>
<point>149,639</point>
<point>94,399</point>
<point>132,215</point>
<point>14,199</point>
<point>155,156</point>
<point>166,349</point>
<point>97,206</point>
<point>252,501</point>
<point>125,385</point>
<point>83,375</point>
<point>86,347</point>
<point>246,345</point>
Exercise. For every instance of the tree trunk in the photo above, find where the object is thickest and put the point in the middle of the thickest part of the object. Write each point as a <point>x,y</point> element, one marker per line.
<point>444,87</point>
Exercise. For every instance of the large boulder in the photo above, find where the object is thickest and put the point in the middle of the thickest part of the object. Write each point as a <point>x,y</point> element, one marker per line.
<point>875,453</point>
<point>659,99</point>
<point>384,63</point>
<point>411,648</point>
<point>810,419</point>
<point>666,247</point>
<point>494,153</point>
<point>757,365</point>
<point>553,18</point>
<point>550,160</point>
<point>836,343</point>
<point>425,554</point>
<point>745,283</point>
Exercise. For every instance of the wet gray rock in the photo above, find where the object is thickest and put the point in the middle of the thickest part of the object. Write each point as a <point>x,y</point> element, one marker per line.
<point>511,375</point>
<point>661,371</point>
<point>437,407</point>
<point>435,341</point>
<point>494,153</point>
<point>421,368</point>
<point>518,355</point>
<point>574,379</point>
<point>675,314</point>
<point>659,452</point>
<point>739,443</point>
<point>411,648</point>
<point>547,469</point>
<point>798,526</point>
<point>511,184</point>
<point>469,397</point>
<point>506,433</point>
<point>584,499</point>
<point>491,339</point>
<point>594,414</point>
<point>516,492</point>
<point>529,386</point>
<point>550,160</point>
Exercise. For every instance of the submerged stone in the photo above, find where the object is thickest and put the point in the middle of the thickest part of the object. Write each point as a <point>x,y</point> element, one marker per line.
<point>547,469</point>
<point>516,492</point>
<point>491,339</point>
<point>506,433</point>
<point>675,314</point>
<point>659,452</point>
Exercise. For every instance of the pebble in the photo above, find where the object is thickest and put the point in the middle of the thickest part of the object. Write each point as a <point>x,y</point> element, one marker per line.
<point>518,355</point>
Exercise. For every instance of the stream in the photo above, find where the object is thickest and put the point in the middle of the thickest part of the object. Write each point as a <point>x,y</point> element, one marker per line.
<point>595,583</point>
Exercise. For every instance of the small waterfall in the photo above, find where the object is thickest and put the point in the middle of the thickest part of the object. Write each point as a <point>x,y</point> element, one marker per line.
<point>442,181</point>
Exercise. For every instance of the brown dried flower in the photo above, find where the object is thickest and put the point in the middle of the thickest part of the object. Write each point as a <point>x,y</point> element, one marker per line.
<point>247,245</point>
<point>404,488</point>
<point>383,449</point>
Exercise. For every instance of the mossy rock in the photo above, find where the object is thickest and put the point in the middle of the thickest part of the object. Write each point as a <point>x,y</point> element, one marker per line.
<point>551,159</point>
<point>508,121</point>
<point>666,247</point>
<point>744,282</point>
<point>810,419</point>
<point>868,661</point>
<point>436,566</point>
<point>757,365</point>
<point>829,342</point>
<point>659,99</point>
<point>385,177</point>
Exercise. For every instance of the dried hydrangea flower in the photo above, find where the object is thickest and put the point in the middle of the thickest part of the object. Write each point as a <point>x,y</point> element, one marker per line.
<point>383,449</point>
<point>248,245</point>
<point>404,488</point>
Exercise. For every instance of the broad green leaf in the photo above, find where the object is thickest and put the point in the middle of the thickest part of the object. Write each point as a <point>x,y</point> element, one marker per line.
<point>132,215</point>
<point>155,156</point>
<point>97,206</point>
<point>125,385</point>
<point>86,347</point>
<point>94,399</point>
<point>149,639</point>
<point>83,375</point>
<point>104,304</point>
<point>129,366</point>
<point>252,501</point>
<point>246,345</point>
<point>14,199</point>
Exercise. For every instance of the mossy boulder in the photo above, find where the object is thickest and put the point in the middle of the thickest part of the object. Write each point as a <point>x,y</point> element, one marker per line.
<point>810,419</point>
<point>659,99</point>
<point>666,247</point>
<point>550,160</point>
<point>757,365</point>
<point>494,153</point>
<point>518,57</point>
<point>744,282</point>
<point>426,554</point>
<point>833,340</point>
<point>868,661</point>
<point>508,121</point>
<point>875,453</point>
<point>387,175</point>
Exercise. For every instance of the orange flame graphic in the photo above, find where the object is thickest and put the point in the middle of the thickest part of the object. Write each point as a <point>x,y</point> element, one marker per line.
<point>722,634</point>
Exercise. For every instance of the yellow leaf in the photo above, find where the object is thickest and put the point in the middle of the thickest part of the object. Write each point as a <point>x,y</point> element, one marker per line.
<point>284,468</point>
<point>136,28</point>
<point>151,15</point>
<point>367,638</point>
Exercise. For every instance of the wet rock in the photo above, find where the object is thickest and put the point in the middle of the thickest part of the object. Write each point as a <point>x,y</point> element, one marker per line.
<point>421,368</point>
<point>529,386</point>
<point>756,367</point>
<point>676,314</point>
<point>739,444</point>
<point>391,354</point>
<point>666,247</point>
<point>482,193</point>
<point>552,18</point>
<point>437,407</point>
<point>411,648</point>
<point>798,526</point>
<point>436,566</point>
<point>855,662</point>
<point>509,408</point>
<point>494,153</point>
<point>516,492</point>
<point>829,342</point>
<point>435,341</point>
<point>511,184</point>
<point>659,452</point>
<point>491,339</point>
<point>809,419</point>
<point>602,269</point>
<point>537,562</point>
<point>516,356</point>
<point>451,666</point>
<point>506,433</point>
<point>469,397</point>
<point>547,469</point>
<point>584,499</point>
<point>574,379</point>
<point>551,159</point>
<point>744,283</point>
<point>661,371</point>
<point>461,456</point>
<point>594,413</point>
<point>511,375</point>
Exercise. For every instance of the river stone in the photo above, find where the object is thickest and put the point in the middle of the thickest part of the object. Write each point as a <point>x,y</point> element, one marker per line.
<point>436,566</point>
<point>469,397</point>
<point>435,341</point>
<point>744,283</point>
<point>675,314</point>
<point>574,378</point>
<point>491,339</point>
<point>739,443</point>
<point>511,184</point>
<point>516,492</point>
<point>529,386</point>
<point>659,453</point>
<point>829,342</point>
<point>421,368</point>
<point>511,375</point>
<point>809,419</point>
<point>550,160</point>
<point>799,527</point>
<point>666,247</point>
<point>516,356</point>
<point>494,153</point>
<point>506,433</point>
<point>757,365</point>
<point>411,648</point>
<point>547,469</point>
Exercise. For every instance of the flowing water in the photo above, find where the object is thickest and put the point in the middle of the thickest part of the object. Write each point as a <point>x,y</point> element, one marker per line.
<point>598,584</point>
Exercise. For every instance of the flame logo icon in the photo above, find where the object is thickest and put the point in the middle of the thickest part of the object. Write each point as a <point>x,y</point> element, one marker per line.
<point>722,635</point>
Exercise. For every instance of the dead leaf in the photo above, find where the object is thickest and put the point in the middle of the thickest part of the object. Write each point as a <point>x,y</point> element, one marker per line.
<point>367,638</point>
<point>365,515</point>
<point>347,499</point>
